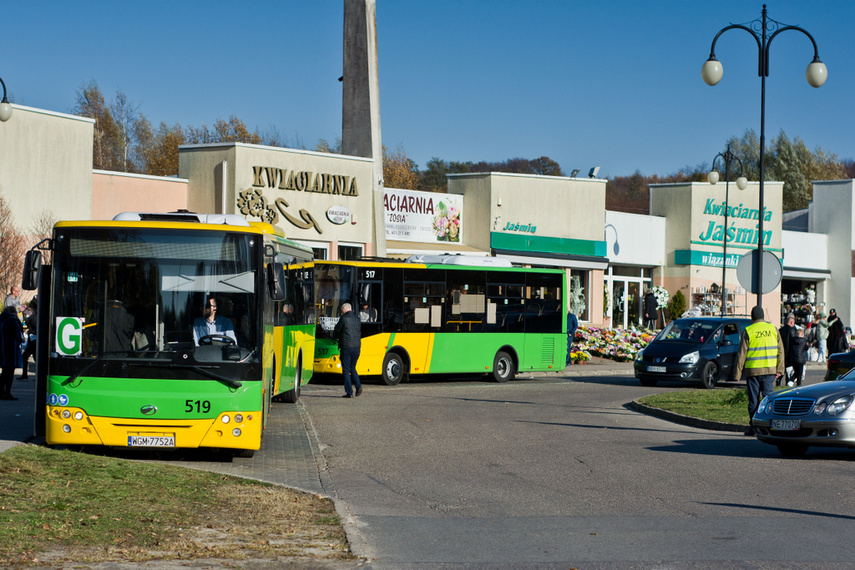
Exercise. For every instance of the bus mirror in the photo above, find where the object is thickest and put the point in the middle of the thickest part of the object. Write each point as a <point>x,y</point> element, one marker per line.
<point>276,281</point>
<point>32,265</point>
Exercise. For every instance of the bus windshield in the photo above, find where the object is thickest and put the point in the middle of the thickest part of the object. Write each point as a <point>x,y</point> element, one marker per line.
<point>143,293</point>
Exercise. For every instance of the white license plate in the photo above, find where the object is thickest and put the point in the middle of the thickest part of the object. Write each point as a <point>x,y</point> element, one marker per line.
<point>657,369</point>
<point>151,441</point>
<point>786,425</point>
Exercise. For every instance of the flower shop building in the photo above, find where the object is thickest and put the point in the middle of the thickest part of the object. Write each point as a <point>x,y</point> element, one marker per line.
<point>329,202</point>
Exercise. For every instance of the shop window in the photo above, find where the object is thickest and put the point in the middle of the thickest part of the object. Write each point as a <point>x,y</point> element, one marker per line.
<point>320,253</point>
<point>578,294</point>
<point>349,252</point>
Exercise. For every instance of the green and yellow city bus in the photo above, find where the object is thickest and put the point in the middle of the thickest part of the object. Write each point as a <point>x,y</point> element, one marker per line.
<point>130,351</point>
<point>443,315</point>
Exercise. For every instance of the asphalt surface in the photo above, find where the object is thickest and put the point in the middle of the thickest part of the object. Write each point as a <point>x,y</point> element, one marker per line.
<point>291,455</point>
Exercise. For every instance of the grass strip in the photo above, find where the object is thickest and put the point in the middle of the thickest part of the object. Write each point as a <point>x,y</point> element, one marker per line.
<point>728,405</point>
<point>58,506</point>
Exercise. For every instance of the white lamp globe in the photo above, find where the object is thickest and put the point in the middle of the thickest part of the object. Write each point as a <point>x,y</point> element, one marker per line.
<point>816,73</point>
<point>741,183</point>
<point>713,177</point>
<point>5,111</point>
<point>712,71</point>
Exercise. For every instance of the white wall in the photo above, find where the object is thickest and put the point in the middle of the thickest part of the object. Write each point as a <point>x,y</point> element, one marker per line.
<point>805,250</point>
<point>640,239</point>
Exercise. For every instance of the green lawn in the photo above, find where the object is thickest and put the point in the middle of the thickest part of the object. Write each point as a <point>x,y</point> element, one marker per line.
<point>729,405</point>
<point>89,508</point>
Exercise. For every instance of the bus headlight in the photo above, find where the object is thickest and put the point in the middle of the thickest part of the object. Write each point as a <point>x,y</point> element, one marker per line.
<point>66,414</point>
<point>66,428</point>
<point>78,415</point>
<point>226,419</point>
<point>238,418</point>
<point>236,432</point>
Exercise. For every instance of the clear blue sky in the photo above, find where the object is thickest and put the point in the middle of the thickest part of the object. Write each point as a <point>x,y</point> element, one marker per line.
<point>610,83</point>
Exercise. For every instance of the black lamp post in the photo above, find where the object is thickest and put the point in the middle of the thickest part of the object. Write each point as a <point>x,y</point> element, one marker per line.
<point>728,157</point>
<point>816,75</point>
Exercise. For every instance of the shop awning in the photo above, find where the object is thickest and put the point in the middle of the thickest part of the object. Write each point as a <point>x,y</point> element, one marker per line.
<point>806,273</point>
<point>535,258</point>
<point>405,249</point>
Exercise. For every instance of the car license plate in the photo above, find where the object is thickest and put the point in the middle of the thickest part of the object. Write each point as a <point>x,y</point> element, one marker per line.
<point>657,369</point>
<point>786,425</point>
<point>151,441</point>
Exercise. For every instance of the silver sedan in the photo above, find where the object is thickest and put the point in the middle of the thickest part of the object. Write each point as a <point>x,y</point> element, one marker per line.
<point>820,415</point>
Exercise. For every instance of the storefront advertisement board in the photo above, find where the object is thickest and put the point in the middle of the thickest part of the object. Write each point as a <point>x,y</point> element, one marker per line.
<point>424,217</point>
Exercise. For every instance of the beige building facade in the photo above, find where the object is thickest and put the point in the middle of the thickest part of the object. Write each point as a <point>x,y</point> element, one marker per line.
<point>328,202</point>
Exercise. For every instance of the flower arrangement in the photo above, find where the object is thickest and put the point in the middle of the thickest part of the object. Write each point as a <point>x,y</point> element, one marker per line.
<point>446,223</point>
<point>662,296</point>
<point>615,344</point>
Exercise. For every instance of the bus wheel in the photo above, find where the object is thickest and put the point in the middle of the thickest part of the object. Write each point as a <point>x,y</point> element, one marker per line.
<point>291,396</point>
<point>503,367</point>
<point>393,369</point>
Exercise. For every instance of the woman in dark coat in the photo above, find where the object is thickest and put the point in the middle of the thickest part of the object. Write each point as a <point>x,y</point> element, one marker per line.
<point>837,338</point>
<point>11,339</point>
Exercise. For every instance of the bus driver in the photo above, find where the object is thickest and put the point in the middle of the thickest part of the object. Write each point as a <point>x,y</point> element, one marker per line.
<point>211,324</point>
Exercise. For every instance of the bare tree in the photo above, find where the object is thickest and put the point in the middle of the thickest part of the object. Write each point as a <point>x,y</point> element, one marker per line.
<point>42,228</point>
<point>12,247</point>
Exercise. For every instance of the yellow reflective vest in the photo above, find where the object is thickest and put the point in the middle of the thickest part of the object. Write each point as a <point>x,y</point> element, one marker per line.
<point>761,351</point>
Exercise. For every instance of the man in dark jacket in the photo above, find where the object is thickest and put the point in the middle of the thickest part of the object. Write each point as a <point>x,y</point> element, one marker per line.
<point>348,334</point>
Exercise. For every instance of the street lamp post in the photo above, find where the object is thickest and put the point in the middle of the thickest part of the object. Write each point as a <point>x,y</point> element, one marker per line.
<point>816,75</point>
<point>728,157</point>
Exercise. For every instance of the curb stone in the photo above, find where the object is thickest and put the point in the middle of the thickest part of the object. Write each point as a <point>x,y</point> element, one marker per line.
<point>684,420</point>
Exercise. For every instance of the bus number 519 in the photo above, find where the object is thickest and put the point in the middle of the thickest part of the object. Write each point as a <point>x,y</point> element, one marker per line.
<point>197,406</point>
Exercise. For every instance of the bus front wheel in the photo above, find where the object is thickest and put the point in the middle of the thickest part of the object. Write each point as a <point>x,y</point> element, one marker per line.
<point>503,367</point>
<point>393,369</point>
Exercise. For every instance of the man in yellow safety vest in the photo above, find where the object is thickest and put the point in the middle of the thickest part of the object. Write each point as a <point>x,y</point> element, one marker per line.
<point>760,359</point>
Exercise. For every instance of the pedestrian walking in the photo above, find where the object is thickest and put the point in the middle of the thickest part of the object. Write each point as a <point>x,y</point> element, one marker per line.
<point>348,334</point>
<point>837,341</point>
<point>650,306</point>
<point>572,325</point>
<point>760,360</point>
<point>11,338</point>
<point>32,331</point>
<point>788,331</point>
<point>821,326</point>
<point>797,357</point>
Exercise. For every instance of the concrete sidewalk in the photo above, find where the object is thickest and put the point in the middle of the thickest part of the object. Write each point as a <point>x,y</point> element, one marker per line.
<point>17,416</point>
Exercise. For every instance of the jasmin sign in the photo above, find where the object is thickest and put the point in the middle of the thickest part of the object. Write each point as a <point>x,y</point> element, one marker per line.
<point>713,232</point>
<point>425,217</point>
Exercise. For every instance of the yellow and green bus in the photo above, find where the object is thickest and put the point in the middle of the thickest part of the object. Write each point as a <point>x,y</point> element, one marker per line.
<point>443,315</point>
<point>170,330</point>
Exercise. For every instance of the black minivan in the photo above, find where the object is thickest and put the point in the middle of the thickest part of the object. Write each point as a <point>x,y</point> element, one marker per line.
<point>695,349</point>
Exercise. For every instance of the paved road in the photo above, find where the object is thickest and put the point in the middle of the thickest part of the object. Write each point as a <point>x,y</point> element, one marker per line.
<point>552,472</point>
<point>557,472</point>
